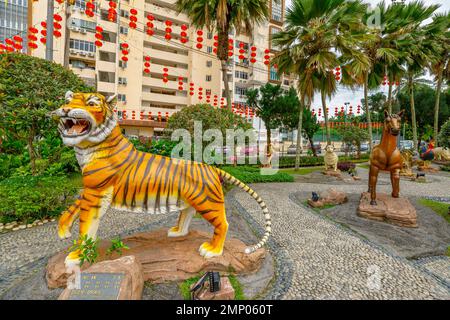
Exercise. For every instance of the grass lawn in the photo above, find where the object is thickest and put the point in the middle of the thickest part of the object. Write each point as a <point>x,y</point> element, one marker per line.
<point>301,171</point>
<point>365,166</point>
<point>438,207</point>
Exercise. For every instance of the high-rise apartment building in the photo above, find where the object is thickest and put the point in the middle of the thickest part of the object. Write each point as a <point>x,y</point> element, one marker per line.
<point>148,93</point>
<point>14,18</point>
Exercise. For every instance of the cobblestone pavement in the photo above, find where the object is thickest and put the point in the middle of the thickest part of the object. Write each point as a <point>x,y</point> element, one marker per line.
<point>333,263</point>
<point>323,261</point>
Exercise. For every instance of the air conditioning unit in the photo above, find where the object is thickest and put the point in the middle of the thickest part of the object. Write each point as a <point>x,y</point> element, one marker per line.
<point>83,53</point>
<point>83,31</point>
<point>91,54</point>
<point>76,29</point>
<point>72,51</point>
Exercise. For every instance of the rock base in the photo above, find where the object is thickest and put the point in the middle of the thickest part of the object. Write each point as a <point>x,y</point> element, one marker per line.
<point>397,211</point>
<point>337,174</point>
<point>226,291</point>
<point>132,284</point>
<point>165,259</point>
<point>330,197</point>
<point>427,169</point>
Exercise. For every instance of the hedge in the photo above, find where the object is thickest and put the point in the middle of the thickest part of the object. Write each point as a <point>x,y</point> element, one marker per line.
<point>26,199</point>
<point>253,175</point>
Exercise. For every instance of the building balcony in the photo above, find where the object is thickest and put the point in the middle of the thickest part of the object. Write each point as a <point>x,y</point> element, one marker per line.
<point>164,98</point>
<point>158,83</point>
<point>166,12</point>
<point>106,86</point>
<point>169,56</point>
<point>106,66</point>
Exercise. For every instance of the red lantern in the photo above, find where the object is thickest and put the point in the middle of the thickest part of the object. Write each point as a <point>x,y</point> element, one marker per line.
<point>183,34</point>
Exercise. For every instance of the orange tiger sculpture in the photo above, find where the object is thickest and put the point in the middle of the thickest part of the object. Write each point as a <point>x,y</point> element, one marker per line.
<point>116,174</point>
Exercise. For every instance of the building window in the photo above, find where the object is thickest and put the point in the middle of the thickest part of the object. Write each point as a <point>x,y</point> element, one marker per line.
<point>209,63</point>
<point>240,91</point>
<point>273,30</point>
<point>241,75</point>
<point>123,30</point>
<point>80,4</point>
<point>122,80</point>
<point>82,45</point>
<point>238,43</point>
<point>123,64</point>
<point>83,24</point>
<point>208,78</point>
<point>209,49</point>
<point>210,35</point>
<point>124,13</point>
<point>273,74</point>
<point>277,10</point>
<point>286,82</point>
<point>122,97</point>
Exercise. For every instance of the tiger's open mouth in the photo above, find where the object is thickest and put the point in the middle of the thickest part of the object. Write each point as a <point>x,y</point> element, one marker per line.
<point>74,126</point>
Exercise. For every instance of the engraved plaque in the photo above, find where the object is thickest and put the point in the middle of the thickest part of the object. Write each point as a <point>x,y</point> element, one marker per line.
<point>98,286</point>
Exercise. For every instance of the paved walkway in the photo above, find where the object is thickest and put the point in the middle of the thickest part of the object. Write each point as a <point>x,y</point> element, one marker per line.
<point>325,261</point>
<point>332,263</point>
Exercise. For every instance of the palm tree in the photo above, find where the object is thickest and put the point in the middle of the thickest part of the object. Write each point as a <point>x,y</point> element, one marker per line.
<point>421,49</point>
<point>441,68</point>
<point>317,35</point>
<point>223,16</point>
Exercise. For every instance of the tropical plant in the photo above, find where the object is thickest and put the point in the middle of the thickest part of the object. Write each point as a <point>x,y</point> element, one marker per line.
<point>117,246</point>
<point>29,88</point>
<point>223,16</point>
<point>444,135</point>
<point>441,67</point>
<point>421,49</point>
<point>87,248</point>
<point>271,102</point>
<point>319,35</point>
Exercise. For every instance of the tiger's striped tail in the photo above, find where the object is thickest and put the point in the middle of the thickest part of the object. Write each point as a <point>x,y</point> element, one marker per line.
<point>268,221</point>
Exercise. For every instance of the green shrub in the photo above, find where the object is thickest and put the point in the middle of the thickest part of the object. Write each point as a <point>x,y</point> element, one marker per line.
<point>253,175</point>
<point>29,198</point>
<point>289,162</point>
<point>161,147</point>
<point>444,135</point>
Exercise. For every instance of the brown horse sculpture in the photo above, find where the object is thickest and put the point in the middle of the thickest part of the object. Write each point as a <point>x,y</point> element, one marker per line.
<point>386,156</point>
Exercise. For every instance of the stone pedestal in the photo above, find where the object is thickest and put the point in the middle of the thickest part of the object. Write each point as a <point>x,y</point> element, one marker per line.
<point>398,211</point>
<point>165,259</point>
<point>329,197</point>
<point>130,287</point>
<point>226,291</point>
<point>337,174</point>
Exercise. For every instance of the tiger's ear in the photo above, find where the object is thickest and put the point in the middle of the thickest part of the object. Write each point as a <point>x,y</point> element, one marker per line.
<point>386,114</point>
<point>69,96</point>
<point>112,101</point>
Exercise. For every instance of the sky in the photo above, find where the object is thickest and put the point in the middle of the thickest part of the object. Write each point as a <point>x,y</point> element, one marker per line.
<point>354,97</point>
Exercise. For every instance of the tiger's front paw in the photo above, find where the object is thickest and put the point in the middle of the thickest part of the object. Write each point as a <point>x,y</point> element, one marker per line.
<point>64,232</point>
<point>64,226</point>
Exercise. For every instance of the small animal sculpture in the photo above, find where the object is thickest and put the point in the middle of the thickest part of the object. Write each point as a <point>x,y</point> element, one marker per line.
<point>441,154</point>
<point>315,197</point>
<point>386,156</point>
<point>116,174</point>
<point>330,158</point>
<point>407,158</point>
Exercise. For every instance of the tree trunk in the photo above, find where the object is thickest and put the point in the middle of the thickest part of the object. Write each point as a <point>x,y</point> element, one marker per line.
<point>66,36</point>
<point>222,54</point>
<point>30,147</point>
<point>225,83</point>
<point>390,97</point>
<point>299,138</point>
<point>311,142</point>
<point>366,102</point>
<point>436,106</point>
<point>325,115</point>
<point>413,111</point>
<point>269,144</point>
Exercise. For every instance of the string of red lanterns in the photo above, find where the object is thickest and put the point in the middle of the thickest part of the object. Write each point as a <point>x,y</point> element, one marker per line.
<point>112,13</point>
<point>183,33</point>
<point>165,75</point>
<point>168,35</point>
<point>43,39</point>
<point>133,18</point>
<point>124,47</point>
<point>150,24</point>
<point>98,36</point>
<point>199,39</point>
<point>147,64</point>
<point>90,8</point>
